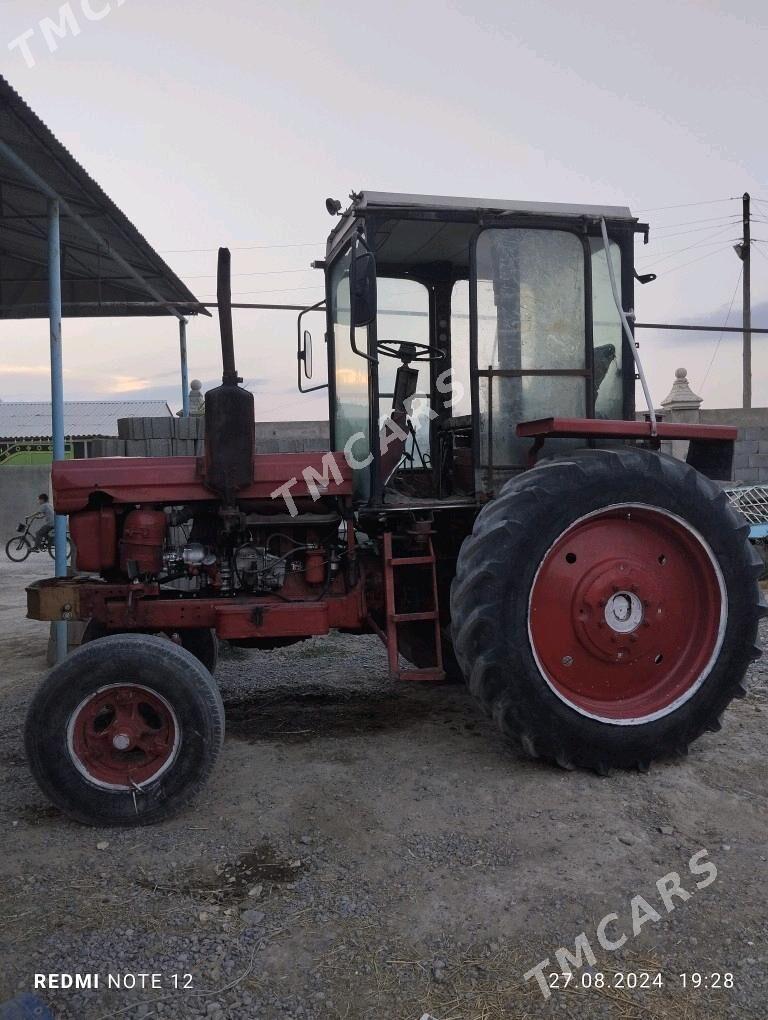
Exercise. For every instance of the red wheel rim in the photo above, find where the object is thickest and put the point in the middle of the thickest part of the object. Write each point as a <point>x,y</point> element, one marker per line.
<point>123,736</point>
<point>627,614</point>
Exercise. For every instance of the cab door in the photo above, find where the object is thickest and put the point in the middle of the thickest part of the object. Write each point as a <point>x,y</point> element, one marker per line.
<point>350,392</point>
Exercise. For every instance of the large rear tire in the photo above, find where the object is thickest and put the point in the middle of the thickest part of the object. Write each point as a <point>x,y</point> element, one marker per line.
<point>125,731</point>
<point>605,608</point>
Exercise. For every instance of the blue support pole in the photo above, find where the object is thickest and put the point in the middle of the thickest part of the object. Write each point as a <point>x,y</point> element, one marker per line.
<point>184,368</point>
<point>57,396</point>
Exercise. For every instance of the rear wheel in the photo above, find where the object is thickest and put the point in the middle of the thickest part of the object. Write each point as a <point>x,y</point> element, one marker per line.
<point>125,731</point>
<point>605,608</point>
<point>18,549</point>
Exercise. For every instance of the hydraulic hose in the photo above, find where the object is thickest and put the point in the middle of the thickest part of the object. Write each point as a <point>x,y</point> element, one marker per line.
<point>627,329</point>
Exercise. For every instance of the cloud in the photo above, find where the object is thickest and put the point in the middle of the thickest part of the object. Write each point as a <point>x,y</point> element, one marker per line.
<point>24,369</point>
<point>127,384</point>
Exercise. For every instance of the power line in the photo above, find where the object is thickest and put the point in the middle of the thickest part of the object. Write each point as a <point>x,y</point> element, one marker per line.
<point>261,272</point>
<point>705,242</point>
<point>686,205</point>
<point>277,290</point>
<point>706,219</point>
<point>696,230</point>
<point>662,256</point>
<point>701,258</point>
<point>728,316</point>
<point>254,247</point>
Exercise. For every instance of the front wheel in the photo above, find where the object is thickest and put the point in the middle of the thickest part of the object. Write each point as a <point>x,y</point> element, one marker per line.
<point>605,608</point>
<point>18,549</point>
<point>200,641</point>
<point>125,731</point>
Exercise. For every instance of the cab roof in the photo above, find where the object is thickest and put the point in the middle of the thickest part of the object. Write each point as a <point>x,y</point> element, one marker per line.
<point>386,200</point>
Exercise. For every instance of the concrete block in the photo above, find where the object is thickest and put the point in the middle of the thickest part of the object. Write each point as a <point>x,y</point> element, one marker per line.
<point>135,448</point>
<point>162,447</point>
<point>763,474</point>
<point>268,446</point>
<point>159,428</point>
<point>137,429</point>
<point>289,446</point>
<point>183,447</point>
<point>740,460</point>
<point>763,445</point>
<point>754,432</point>
<point>124,428</point>
<point>748,446</point>
<point>200,419</point>
<point>747,475</point>
<point>185,428</point>
<point>758,460</point>
<point>199,447</point>
<point>108,448</point>
<point>314,446</point>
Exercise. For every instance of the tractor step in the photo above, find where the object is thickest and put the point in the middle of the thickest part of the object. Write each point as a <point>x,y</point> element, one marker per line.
<point>390,636</point>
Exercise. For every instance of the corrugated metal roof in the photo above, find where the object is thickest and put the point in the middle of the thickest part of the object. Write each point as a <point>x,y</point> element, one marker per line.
<point>82,418</point>
<point>89,273</point>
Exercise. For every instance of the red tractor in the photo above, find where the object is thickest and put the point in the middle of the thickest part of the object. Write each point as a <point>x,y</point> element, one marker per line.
<point>492,508</point>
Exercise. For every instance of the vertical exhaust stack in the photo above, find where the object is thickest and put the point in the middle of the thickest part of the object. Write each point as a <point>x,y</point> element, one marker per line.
<point>229,409</point>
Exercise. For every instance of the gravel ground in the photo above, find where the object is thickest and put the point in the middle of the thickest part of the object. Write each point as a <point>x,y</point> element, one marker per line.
<point>369,850</point>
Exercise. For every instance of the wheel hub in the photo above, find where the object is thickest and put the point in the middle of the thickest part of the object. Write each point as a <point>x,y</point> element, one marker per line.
<point>123,736</point>
<point>626,613</point>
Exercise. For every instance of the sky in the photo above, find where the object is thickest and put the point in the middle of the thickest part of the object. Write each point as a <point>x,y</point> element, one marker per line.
<point>231,123</point>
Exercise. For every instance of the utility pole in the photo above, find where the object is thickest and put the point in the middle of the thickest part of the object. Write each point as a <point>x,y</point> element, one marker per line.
<point>746,303</point>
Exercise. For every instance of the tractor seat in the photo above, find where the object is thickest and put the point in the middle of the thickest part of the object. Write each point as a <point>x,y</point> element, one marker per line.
<point>406,382</point>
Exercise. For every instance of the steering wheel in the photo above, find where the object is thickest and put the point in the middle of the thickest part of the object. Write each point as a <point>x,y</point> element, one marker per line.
<point>408,351</point>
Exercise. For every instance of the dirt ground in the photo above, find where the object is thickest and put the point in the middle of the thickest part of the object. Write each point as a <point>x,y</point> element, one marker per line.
<point>370,850</point>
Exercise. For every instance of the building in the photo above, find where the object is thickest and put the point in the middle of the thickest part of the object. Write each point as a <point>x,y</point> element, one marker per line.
<point>26,431</point>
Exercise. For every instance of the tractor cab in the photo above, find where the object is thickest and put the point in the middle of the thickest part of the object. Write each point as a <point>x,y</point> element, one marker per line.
<point>450,321</point>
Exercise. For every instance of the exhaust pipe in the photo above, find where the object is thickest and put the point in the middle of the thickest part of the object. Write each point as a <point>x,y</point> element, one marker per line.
<point>224,298</point>
<point>229,409</point>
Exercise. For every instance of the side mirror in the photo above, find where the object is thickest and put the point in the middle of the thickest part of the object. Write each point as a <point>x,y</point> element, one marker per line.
<point>362,284</point>
<point>305,353</point>
<point>304,350</point>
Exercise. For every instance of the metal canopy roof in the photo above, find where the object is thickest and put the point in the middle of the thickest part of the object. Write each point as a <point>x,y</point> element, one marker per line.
<point>393,200</point>
<point>82,418</point>
<point>90,272</point>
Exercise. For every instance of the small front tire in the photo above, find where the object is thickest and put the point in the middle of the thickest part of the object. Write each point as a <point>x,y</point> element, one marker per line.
<point>125,731</point>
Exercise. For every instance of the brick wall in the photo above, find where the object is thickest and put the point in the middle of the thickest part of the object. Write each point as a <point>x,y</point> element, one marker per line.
<point>750,458</point>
